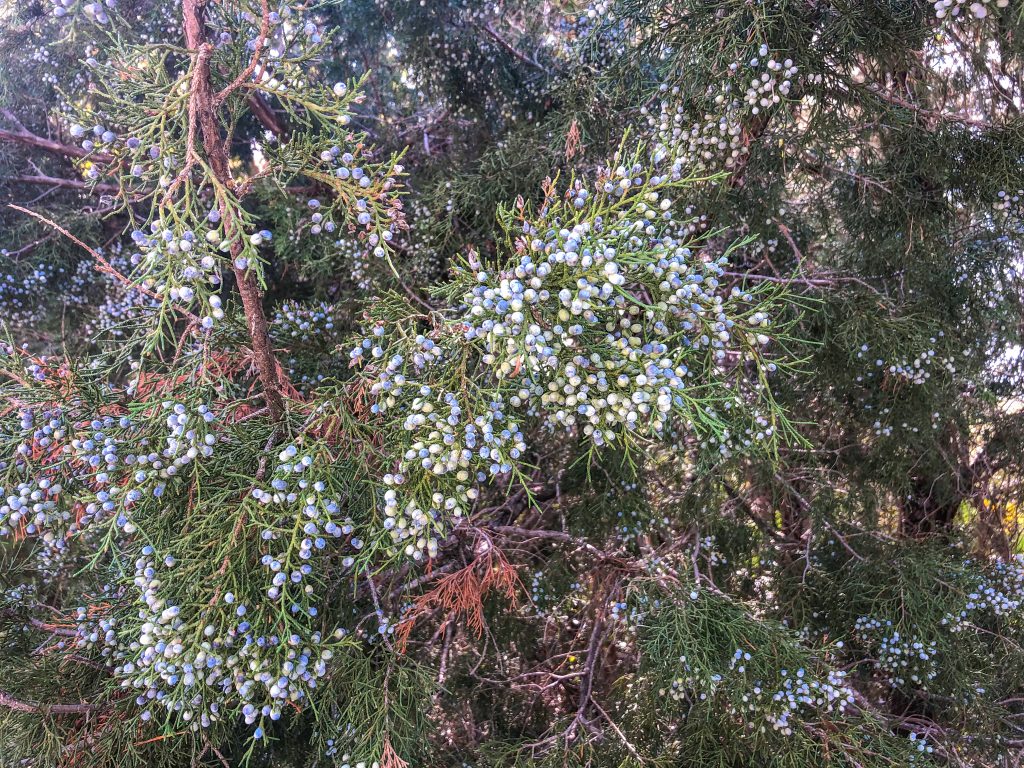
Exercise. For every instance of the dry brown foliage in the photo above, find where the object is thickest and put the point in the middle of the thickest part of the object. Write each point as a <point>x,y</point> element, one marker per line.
<point>461,593</point>
<point>389,758</point>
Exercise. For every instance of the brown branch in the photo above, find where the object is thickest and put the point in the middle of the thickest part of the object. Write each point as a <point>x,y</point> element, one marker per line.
<point>587,678</point>
<point>818,168</point>
<point>205,102</point>
<point>751,133</point>
<point>68,150</point>
<point>29,247</point>
<point>829,281</point>
<point>34,707</point>
<point>932,114</point>
<point>53,629</point>
<point>266,115</point>
<point>745,506</point>
<point>792,243</point>
<point>14,119</point>
<point>540,533</point>
<point>261,41</point>
<point>622,737</point>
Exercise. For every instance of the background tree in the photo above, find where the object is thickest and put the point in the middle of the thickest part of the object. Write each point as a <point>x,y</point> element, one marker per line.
<point>683,425</point>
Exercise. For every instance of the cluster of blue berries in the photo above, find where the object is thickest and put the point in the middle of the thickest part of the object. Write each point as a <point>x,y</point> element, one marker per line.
<point>204,665</point>
<point>713,140</point>
<point>999,592</point>
<point>108,463</point>
<point>96,11</point>
<point>601,318</point>
<point>779,702</point>
<point>902,661</point>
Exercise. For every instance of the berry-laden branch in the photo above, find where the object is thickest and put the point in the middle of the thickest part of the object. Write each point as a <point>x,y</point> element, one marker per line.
<point>202,104</point>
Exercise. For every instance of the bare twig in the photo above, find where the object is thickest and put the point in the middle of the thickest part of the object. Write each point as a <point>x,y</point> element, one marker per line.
<point>511,49</point>
<point>39,142</point>
<point>35,707</point>
<point>55,181</point>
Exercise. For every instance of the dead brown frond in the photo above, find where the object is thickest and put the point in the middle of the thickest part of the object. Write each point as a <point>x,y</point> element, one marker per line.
<point>573,140</point>
<point>389,758</point>
<point>461,593</point>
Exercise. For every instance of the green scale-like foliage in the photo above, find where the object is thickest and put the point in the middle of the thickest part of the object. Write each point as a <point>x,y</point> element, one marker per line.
<point>511,383</point>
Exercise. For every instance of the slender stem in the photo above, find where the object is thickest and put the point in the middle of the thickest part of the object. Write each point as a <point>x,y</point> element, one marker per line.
<point>511,49</point>
<point>102,265</point>
<point>34,707</point>
<point>55,181</point>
